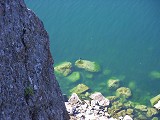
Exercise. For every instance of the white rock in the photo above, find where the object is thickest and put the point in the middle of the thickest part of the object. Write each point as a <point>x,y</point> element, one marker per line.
<point>157,105</point>
<point>84,106</point>
<point>90,117</point>
<point>93,103</point>
<point>112,119</point>
<point>104,102</point>
<point>74,99</point>
<point>103,118</point>
<point>98,97</point>
<point>127,117</point>
<point>87,102</point>
<point>121,118</point>
<point>96,107</point>
<point>69,108</point>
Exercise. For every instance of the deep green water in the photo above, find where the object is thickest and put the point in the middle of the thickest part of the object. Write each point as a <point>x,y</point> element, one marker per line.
<point>121,35</point>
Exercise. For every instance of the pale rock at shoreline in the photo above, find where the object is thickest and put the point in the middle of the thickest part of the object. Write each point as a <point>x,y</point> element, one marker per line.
<point>74,99</point>
<point>100,99</point>
<point>127,117</point>
<point>157,105</point>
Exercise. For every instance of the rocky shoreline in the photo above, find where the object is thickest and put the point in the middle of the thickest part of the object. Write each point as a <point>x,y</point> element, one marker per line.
<point>97,107</point>
<point>84,104</point>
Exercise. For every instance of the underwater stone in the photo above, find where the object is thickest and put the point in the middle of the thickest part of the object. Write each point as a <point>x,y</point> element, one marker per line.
<point>88,65</point>
<point>113,83</point>
<point>63,69</point>
<point>141,108</point>
<point>80,88</point>
<point>112,98</point>
<point>129,111</point>
<point>90,76</point>
<point>155,118</point>
<point>106,72</point>
<point>155,99</point>
<point>155,74</point>
<point>74,76</point>
<point>123,91</point>
<point>151,112</point>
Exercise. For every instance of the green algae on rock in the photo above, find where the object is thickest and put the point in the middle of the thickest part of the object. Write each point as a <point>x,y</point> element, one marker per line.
<point>123,91</point>
<point>106,72</point>
<point>80,88</point>
<point>88,65</point>
<point>155,74</point>
<point>151,112</point>
<point>155,99</point>
<point>63,69</point>
<point>89,76</point>
<point>113,83</point>
<point>141,108</point>
<point>74,76</point>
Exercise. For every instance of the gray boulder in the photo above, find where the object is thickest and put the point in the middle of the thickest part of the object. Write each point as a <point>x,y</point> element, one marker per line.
<point>28,88</point>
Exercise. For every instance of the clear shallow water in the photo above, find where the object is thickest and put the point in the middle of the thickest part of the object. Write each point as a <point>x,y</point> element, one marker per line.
<point>122,36</point>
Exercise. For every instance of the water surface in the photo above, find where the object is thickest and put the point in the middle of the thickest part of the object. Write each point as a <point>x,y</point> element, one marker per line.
<point>121,35</point>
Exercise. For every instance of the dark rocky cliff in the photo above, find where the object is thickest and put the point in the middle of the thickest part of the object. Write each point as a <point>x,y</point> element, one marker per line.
<point>28,88</point>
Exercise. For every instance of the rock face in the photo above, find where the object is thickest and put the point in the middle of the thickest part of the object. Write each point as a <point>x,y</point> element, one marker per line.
<point>28,88</point>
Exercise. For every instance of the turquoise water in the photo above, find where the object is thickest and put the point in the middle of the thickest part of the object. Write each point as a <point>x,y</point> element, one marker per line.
<point>121,35</point>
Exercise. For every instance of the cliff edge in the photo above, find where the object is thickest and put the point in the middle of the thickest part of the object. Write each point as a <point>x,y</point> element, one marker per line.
<point>28,88</point>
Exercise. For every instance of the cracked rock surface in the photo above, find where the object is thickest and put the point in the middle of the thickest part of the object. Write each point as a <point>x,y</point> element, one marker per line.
<point>28,88</point>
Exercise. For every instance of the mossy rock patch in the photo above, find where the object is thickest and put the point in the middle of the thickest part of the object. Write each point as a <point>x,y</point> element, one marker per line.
<point>88,65</point>
<point>63,69</point>
<point>123,91</point>
<point>155,74</point>
<point>155,99</point>
<point>80,88</point>
<point>75,76</point>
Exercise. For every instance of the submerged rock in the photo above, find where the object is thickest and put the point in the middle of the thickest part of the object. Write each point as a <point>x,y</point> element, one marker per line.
<point>155,74</point>
<point>88,65</point>
<point>74,76</point>
<point>155,99</point>
<point>63,69</point>
<point>80,88</point>
<point>113,83</point>
<point>88,75</point>
<point>141,108</point>
<point>123,91</point>
<point>151,112</point>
